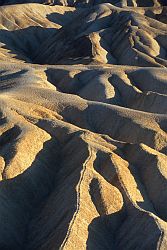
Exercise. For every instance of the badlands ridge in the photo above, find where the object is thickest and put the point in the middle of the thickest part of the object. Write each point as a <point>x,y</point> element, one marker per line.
<point>83,121</point>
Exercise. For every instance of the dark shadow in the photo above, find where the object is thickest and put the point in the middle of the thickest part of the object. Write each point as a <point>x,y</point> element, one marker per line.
<point>8,137</point>
<point>72,46</point>
<point>69,52</point>
<point>78,3</point>
<point>126,229</point>
<point>162,17</point>
<point>102,231</point>
<point>3,119</point>
<point>163,2</point>
<point>63,19</point>
<point>24,43</point>
<point>55,220</point>
<point>10,2</point>
<point>21,197</point>
<point>145,3</point>
<point>136,231</point>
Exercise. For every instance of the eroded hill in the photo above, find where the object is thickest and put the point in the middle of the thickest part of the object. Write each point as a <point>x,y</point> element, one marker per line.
<point>83,121</point>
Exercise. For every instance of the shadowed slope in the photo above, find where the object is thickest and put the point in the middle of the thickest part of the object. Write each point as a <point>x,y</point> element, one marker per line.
<point>83,122</point>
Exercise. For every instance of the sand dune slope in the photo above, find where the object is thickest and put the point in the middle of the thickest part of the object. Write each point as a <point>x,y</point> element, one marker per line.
<point>83,126</point>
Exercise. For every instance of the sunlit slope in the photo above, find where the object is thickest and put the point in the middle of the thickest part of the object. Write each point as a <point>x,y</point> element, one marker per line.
<point>83,121</point>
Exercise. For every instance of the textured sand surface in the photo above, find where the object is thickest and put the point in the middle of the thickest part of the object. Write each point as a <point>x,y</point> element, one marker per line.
<point>83,122</point>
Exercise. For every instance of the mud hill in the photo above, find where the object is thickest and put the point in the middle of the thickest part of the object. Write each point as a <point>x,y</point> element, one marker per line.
<point>83,122</point>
